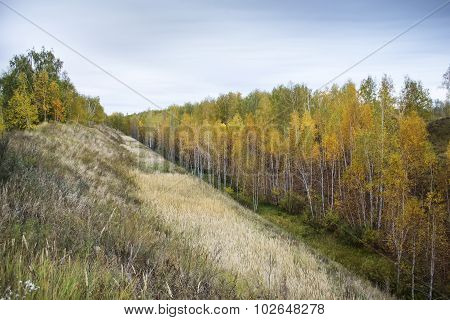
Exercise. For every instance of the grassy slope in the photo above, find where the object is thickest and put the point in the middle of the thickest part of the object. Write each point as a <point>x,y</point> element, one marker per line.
<point>89,213</point>
<point>337,245</point>
<point>72,226</point>
<point>264,256</point>
<point>439,131</point>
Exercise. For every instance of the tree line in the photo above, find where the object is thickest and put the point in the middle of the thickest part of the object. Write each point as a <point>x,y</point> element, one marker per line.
<point>353,157</point>
<point>35,89</point>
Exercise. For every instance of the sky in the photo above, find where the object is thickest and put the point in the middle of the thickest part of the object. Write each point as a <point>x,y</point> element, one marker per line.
<point>176,51</point>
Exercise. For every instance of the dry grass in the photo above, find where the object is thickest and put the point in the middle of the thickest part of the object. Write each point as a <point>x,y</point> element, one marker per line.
<point>71,226</point>
<point>241,242</point>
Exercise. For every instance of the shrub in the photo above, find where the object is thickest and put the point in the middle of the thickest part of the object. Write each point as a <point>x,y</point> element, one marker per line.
<point>292,202</point>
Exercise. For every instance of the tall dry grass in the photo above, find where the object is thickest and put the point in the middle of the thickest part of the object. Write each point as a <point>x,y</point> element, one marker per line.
<point>71,226</point>
<point>241,242</point>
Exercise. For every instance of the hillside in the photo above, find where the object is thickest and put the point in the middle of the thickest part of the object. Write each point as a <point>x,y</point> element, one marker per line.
<point>439,131</point>
<point>88,213</point>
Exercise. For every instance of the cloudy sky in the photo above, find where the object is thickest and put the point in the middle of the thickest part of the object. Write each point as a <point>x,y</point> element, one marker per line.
<point>175,51</point>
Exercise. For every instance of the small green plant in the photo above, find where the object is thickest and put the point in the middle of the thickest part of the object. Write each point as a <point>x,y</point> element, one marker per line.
<point>292,203</point>
<point>229,190</point>
<point>331,220</point>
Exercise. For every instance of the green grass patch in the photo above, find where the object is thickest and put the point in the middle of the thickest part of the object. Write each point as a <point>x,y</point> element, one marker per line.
<point>334,245</point>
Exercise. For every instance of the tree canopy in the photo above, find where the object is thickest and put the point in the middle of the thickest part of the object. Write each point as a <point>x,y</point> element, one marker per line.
<point>36,89</point>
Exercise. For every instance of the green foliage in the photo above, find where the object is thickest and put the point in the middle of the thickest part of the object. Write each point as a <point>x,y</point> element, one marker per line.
<point>331,221</point>
<point>2,123</point>
<point>336,244</point>
<point>414,97</point>
<point>118,121</point>
<point>41,97</point>
<point>229,190</point>
<point>35,81</point>
<point>94,110</point>
<point>372,237</point>
<point>368,91</point>
<point>20,112</point>
<point>293,203</point>
<point>440,134</point>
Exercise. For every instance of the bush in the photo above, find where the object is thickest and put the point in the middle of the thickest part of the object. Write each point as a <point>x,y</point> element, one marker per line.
<point>292,202</point>
<point>229,190</point>
<point>331,220</point>
<point>371,237</point>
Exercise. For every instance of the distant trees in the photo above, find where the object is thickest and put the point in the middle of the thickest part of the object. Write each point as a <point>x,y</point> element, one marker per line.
<point>359,157</point>
<point>446,82</point>
<point>442,108</point>
<point>94,110</point>
<point>119,121</point>
<point>34,89</point>
<point>415,98</point>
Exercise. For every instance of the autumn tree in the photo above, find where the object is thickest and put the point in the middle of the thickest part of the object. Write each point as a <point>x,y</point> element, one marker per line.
<point>437,216</point>
<point>308,152</point>
<point>396,194</point>
<point>42,94</point>
<point>416,150</point>
<point>368,91</point>
<point>236,129</point>
<point>56,106</point>
<point>414,97</point>
<point>20,113</point>
<point>94,110</point>
<point>416,219</point>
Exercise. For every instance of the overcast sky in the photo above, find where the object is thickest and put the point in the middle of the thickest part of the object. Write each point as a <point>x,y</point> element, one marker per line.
<point>179,51</point>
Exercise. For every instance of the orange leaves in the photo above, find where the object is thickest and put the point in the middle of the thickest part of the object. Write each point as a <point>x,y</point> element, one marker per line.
<point>56,106</point>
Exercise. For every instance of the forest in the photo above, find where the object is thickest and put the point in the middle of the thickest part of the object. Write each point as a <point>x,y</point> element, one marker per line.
<point>358,159</point>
